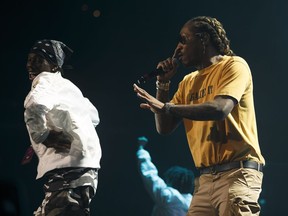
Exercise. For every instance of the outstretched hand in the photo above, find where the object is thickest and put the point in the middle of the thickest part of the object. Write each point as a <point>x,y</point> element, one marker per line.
<point>142,141</point>
<point>152,103</point>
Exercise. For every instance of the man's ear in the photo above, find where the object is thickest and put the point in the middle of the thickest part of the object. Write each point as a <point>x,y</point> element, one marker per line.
<point>54,68</point>
<point>204,37</point>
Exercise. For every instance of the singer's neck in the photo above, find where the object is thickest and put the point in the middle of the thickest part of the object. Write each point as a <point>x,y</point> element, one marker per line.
<point>209,58</point>
<point>216,59</point>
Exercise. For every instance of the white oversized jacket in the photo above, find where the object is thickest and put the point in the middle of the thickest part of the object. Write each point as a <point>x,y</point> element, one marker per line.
<point>55,103</point>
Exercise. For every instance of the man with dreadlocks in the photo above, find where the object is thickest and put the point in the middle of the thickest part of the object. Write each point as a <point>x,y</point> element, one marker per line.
<point>61,124</point>
<point>215,103</point>
<point>172,194</point>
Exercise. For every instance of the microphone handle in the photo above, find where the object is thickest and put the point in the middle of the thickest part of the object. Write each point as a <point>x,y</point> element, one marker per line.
<point>156,72</point>
<point>146,77</point>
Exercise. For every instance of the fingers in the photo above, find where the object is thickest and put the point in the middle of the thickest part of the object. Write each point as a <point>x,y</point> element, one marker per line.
<point>141,93</point>
<point>135,87</point>
<point>142,139</point>
<point>138,89</point>
<point>176,53</point>
<point>147,98</point>
<point>166,65</point>
<point>145,106</point>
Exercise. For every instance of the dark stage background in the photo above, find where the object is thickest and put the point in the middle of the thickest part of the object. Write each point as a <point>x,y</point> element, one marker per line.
<point>111,52</point>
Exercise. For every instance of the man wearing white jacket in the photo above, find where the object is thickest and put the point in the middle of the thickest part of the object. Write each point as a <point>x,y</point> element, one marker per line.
<point>61,124</point>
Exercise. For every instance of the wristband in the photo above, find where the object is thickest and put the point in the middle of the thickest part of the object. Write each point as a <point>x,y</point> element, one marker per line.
<point>167,107</point>
<point>163,86</point>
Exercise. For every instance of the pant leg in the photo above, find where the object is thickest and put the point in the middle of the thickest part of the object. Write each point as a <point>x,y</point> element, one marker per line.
<point>231,193</point>
<point>67,202</point>
<point>244,189</point>
<point>201,202</point>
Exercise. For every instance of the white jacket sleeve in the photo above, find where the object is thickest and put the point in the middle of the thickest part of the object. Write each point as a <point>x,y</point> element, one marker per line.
<point>38,103</point>
<point>94,115</point>
<point>35,120</point>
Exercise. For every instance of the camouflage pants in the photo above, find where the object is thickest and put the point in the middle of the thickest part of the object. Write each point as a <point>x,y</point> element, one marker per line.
<point>71,199</point>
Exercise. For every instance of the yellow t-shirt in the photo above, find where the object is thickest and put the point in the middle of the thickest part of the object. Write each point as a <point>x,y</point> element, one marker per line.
<point>233,139</point>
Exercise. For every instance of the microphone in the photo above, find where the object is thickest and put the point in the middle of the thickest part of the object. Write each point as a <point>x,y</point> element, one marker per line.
<point>144,78</point>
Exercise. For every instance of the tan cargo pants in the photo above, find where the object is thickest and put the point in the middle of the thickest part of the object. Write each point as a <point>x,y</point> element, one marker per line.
<point>231,193</point>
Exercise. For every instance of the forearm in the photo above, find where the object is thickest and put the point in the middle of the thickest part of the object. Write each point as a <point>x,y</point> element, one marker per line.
<point>165,124</point>
<point>200,112</point>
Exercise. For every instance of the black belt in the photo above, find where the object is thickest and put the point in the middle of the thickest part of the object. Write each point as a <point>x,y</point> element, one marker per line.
<point>232,165</point>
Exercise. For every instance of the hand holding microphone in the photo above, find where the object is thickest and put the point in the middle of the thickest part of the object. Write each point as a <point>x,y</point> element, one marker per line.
<point>165,70</point>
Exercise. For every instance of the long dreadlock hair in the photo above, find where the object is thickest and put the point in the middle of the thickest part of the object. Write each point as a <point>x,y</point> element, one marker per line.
<point>180,178</point>
<point>216,31</point>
